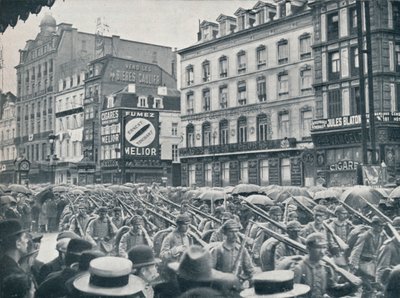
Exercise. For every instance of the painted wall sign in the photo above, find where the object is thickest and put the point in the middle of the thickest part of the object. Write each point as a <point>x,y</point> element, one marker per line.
<point>109,117</point>
<point>138,73</point>
<point>344,165</point>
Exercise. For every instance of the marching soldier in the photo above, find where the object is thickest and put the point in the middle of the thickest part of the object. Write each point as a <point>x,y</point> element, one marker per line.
<point>117,218</point>
<point>102,230</point>
<point>79,221</point>
<point>212,225</point>
<point>178,241</point>
<point>137,235</point>
<point>218,235</point>
<point>341,225</point>
<point>283,250</point>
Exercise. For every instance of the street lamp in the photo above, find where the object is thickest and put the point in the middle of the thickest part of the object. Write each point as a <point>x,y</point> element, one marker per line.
<point>52,158</point>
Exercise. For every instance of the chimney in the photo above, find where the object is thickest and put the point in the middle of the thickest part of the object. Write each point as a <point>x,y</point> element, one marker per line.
<point>131,88</point>
<point>199,33</point>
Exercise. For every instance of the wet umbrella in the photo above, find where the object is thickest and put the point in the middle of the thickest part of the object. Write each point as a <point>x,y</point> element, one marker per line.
<point>77,192</point>
<point>395,194</point>
<point>211,195</point>
<point>191,194</point>
<point>304,200</point>
<point>289,191</point>
<point>246,189</point>
<point>327,194</point>
<point>260,200</point>
<point>45,194</point>
<point>61,188</point>
<point>19,188</point>
<point>7,200</point>
<point>228,189</point>
<point>316,188</point>
<point>3,187</point>
<point>357,195</point>
<point>119,188</point>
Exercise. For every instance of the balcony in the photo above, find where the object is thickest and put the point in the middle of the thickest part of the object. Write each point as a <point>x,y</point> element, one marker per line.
<point>232,148</point>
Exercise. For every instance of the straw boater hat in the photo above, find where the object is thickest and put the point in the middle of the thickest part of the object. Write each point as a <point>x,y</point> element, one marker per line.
<point>275,284</point>
<point>109,276</point>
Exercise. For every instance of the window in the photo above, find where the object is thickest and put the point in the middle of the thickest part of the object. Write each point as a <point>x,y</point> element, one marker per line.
<point>208,174</point>
<point>283,51</point>
<point>306,119</point>
<point>283,83</point>
<point>261,89</point>
<point>353,20</point>
<point>306,79</point>
<point>223,67</point>
<point>334,103</point>
<point>262,127</point>
<point>261,17</point>
<point>158,103</point>
<point>285,171</point>
<point>223,97</point>
<point>225,173</point>
<point>355,101</point>
<point>190,136</point>
<point>110,102</point>
<point>334,65</point>
<point>206,100</point>
<point>244,171</point>
<point>206,71</point>
<point>190,103</point>
<point>206,131</point>
<point>189,75</point>
<point>192,174</point>
<point>223,132</point>
<point>283,124</point>
<point>174,129</point>
<point>261,54</point>
<point>333,26</point>
<point>242,93</point>
<point>241,61</point>
<point>354,61</point>
<point>44,150</point>
<point>396,16</point>
<point>397,49</point>
<point>242,130</point>
<point>305,46</point>
<point>241,22</point>
<point>264,172</point>
<point>175,152</point>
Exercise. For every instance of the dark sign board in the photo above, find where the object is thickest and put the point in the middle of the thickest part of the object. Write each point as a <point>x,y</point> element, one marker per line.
<point>141,134</point>
<point>139,73</point>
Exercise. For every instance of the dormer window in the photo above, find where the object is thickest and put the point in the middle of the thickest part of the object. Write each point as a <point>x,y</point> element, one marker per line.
<point>241,22</point>
<point>158,103</point>
<point>206,71</point>
<point>142,102</point>
<point>241,61</point>
<point>189,75</point>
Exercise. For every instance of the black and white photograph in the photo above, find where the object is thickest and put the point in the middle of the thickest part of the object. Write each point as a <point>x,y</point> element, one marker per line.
<point>199,148</point>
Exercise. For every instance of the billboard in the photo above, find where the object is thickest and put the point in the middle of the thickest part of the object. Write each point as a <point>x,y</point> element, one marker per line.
<point>141,134</point>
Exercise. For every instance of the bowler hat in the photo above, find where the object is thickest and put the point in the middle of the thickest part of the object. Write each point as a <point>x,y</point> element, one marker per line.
<point>10,227</point>
<point>62,244</point>
<point>142,255</point>
<point>182,219</point>
<point>109,276</point>
<point>67,234</point>
<point>277,284</point>
<point>77,246</point>
<point>85,258</point>
<point>196,265</point>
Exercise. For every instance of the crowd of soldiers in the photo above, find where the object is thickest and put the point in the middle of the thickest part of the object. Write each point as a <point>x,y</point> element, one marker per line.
<point>142,244</point>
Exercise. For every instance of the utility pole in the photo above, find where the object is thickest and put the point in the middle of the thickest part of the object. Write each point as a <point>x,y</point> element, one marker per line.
<point>364,131</point>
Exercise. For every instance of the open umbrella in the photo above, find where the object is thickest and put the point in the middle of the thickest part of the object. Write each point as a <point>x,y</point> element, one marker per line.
<point>3,187</point>
<point>211,195</point>
<point>357,195</point>
<point>61,188</point>
<point>316,188</point>
<point>191,194</point>
<point>119,188</point>
<point>45,194</point>
<point>19,188</point>
<point>304,200</point>
<point>395,194</point>
<point>77,192</point>
<point>326,194</point>
<point>260,200</point>
<point>246,189</point>
<point>7,200</point>
<point>289,191</point>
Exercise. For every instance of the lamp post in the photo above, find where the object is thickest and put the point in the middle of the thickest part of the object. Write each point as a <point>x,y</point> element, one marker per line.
<point>52,158</point>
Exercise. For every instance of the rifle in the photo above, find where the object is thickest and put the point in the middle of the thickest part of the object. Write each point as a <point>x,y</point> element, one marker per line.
<point>378,212</point>
<point>239,258</point>
<point>356,213</point>
<point>339,241</point>
<point>354,280</point>
<point>81,231</point>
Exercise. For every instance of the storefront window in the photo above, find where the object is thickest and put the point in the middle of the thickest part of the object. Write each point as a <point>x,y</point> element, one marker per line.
<point>244,171</point>
<point>285,171</point>
<point>208,174</point>
<point>225,173</point>
<point>264,171</point>
<point>192,174</point>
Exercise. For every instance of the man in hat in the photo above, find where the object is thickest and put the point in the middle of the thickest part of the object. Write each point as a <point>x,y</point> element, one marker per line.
<point>144,266</point>
<point>218,235</point>
<point>388,256</point>
<point>212,225</point>
<point>275,213</point>
<point>117,219</point>
<point>314,273</point>
<point>283,250</point>
<point>79,222</point>
<point>229,255</point>
<point>177,241</point>
<point>57,263</point>
<point>54,284</point>
<point>102,230</point>
<point>362,260</point>
<point>14,243</point>
<point>29,262</point>
<point>136,235</point>
<point>341,225</point>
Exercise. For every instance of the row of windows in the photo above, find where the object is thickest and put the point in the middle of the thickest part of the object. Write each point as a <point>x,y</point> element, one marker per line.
<point>72,81</point>
<point>40,51</point>
<point>38,87</point>
<point>68,149</point>
<point>242,60</point>
<point>8,134</point>
<point>68,103</point>
<point>226,172</point>
<point>306,80</point>
<point>223,135</point>
<point>37,71</point>
<point>70,122</point>
<point>32,126</point>
<point>8,153</point>
<point>142,102</point>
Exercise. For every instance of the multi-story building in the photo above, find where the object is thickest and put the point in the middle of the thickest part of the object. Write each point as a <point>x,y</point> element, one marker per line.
<point>105,76</point>
<point>247,100</point>
<point>61,52</point>
<point>69,127</point>
<point>336,132</point>
<point>140,135</point>
<point>8,124</point>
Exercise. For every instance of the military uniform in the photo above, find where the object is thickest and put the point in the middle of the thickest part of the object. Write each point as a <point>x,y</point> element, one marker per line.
<point>129,240</point>
<point>172,240</point>
<point>388,258</point>
<point>83,220</point>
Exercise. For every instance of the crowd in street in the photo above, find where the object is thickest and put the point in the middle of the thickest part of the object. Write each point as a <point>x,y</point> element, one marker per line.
<point>148,241</point>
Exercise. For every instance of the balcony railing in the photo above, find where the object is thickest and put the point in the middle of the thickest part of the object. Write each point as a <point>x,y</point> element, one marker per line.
<point>249,146</point>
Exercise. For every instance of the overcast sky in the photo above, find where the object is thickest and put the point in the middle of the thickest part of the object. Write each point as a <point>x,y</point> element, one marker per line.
<point>171,23</point>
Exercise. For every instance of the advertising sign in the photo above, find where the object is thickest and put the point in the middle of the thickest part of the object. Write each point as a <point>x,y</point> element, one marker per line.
<point>141,134</point>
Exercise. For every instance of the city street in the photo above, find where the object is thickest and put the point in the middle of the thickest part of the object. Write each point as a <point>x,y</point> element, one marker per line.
<point>48,247</point>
